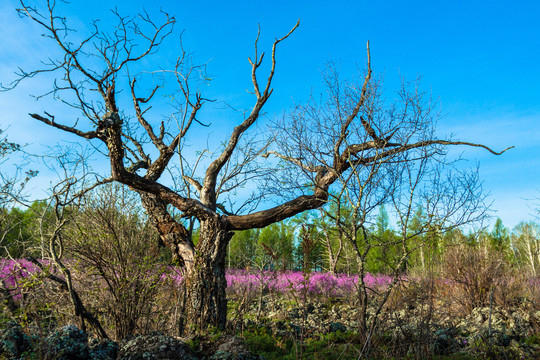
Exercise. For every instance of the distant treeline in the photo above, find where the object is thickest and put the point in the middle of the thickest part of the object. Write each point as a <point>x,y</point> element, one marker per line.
<point>310,242</point>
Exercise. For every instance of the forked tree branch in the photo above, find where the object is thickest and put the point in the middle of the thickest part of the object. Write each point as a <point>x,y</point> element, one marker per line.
<point>208,194</point>
<point>354,113</point>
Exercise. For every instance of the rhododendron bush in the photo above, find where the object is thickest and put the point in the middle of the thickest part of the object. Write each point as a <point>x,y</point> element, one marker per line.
<point>16,274</point>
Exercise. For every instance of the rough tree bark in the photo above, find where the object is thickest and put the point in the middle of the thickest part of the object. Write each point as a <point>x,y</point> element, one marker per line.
<point>205,299</point>
<point>173,234</point>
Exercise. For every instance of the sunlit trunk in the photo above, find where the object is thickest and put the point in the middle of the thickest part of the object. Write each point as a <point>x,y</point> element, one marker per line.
<point>203,291</point>
<point>172,234</point>
<point>205,301</point>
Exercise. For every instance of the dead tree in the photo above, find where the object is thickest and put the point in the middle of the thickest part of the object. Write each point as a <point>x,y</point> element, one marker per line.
<point>90,76</point>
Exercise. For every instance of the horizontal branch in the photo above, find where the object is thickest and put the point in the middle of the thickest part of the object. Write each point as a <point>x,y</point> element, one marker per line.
<point>423,144</point>
<point>281,212</point>
<point>190,207</point>
<point>50,121</point>
<point>320,196</point>
<point>445,142</point>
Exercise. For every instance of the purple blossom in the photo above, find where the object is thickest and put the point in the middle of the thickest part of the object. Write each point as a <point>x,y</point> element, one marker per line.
<point>314,284</point>
<point>14,273</point>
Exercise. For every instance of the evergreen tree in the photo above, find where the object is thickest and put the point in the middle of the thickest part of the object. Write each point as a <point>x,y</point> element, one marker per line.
<point>243,249</point>
<point>276,245</point>
<point>381,259</point>
<point>499,237</point>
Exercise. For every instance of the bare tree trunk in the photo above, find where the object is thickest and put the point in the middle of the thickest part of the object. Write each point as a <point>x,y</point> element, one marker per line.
<point>530,254</point>
<point>204,297</point>
<point>205,301</point>
<point>173,234</point>
<point>332,260</point>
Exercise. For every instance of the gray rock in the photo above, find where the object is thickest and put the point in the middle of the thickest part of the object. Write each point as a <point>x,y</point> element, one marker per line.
<point>13,341</point>
<point>232,347</point>
<point>68,343</point>
<point>336,326</point>
<point>103,349</point>
<point>445,341</point>
<point>154,346</point>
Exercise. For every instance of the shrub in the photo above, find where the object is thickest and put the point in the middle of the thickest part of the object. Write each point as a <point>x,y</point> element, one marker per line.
<point>473,274</point>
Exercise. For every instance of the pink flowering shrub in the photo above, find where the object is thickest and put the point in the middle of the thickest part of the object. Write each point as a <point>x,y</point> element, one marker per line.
<point>315,284</point>
<point>14,273</point>
<point>239,282</point>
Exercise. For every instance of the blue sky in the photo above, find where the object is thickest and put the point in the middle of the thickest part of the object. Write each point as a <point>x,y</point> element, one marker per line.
<point>480,59</point>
